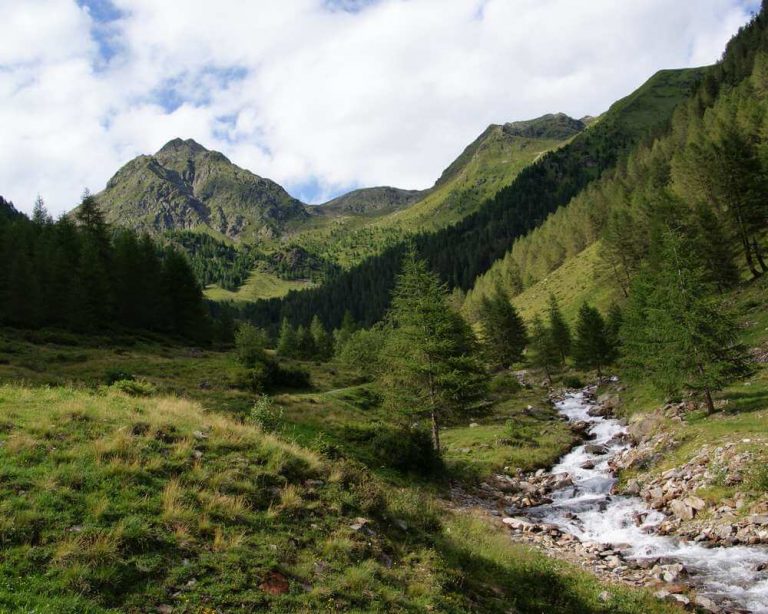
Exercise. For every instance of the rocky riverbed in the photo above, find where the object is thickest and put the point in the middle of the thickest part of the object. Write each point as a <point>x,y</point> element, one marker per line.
<point>646,537</point>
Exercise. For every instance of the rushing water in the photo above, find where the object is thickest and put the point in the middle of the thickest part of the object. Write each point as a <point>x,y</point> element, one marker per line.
<point>587,510</point>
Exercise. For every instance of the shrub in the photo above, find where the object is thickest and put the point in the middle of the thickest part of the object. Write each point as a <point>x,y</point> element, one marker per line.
<point>135,388</point>
<point>572,381</point>
<point>266,414</point>
<point>250,343</point>
<point>405,449</point>
<point>117,375</point>
<point>292,377</point>
<point>505,384</point>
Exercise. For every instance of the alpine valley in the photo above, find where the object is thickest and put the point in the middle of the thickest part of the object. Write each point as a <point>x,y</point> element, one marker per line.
<point>539,385</point>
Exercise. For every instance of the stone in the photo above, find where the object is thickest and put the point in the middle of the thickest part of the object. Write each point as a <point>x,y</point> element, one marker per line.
<point>605,596</point>
<point>517,523</point>
<point>473,425</point>
<point>199,435</point>
<point>588,465</point>
<point>706,603</point>
<point>359,523</point>
<point>681,509</point>
<point>696,503</point>
<point>592,448</point>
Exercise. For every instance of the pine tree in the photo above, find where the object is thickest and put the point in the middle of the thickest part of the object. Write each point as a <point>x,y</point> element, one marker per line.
<point>342,335</point>
<point>40,215</point>
<point>323,342</point>
<point>613,324</point>
<point>287,342</point>
<point>504,332</point>
<point>305,344</point>
<point>184,298</point>
<point>559,330</point>
<point>545,352</point>
<point>250,345</point>
<point>592,348</point>
<point>431,367</point>
<point>676,334</point>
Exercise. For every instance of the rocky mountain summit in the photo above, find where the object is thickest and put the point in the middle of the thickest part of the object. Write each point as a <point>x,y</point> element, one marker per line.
<point>185,186</point>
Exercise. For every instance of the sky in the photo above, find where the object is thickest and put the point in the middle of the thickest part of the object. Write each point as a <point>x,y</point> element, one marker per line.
<point>322,96</point>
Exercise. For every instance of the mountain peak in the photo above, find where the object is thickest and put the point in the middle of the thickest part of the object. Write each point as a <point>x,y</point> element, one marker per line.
<point>181,145</point>
<point>557,126</point>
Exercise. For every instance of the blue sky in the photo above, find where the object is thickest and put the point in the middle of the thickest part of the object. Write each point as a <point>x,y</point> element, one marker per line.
<point>320,95</point>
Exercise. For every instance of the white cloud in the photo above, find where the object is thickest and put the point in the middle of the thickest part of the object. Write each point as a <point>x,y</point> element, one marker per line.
<point>387,94</point>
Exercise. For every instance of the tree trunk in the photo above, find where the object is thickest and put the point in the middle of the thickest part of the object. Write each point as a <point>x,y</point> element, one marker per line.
<point>710,402</point>
<point>759,255</point>
<point>435,432</point>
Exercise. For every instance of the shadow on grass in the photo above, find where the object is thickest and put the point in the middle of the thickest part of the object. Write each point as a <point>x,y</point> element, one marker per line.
<point>747,401</point>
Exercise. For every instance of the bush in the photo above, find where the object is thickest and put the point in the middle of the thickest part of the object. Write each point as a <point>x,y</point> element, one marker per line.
<point>505,384</point>
<point>361,352</point>
<point>405,449</point>
<point>117,375</point>
<point>135,388</point>
<point>266,414</point>
<point>290,377</point>
<point>250,343</point>
<point>572,381</point>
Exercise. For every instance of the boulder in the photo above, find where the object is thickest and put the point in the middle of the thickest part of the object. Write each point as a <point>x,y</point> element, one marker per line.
<point>681,509</point>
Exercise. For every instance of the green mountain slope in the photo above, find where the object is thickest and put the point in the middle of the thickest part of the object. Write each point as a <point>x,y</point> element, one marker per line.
<point>374,201</point>
<point>184,186</point>
<point>363,223</point>
<point>491,162</point>
<point>466,249</point>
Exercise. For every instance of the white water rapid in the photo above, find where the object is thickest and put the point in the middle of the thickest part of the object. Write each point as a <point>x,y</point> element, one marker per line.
<point>586,509</point>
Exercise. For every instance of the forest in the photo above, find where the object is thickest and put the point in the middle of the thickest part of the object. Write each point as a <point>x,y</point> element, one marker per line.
<point>80,275</point>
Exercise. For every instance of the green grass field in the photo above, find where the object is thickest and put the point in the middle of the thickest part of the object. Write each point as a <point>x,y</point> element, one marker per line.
<point>117,503</point>
<point>258,286</point>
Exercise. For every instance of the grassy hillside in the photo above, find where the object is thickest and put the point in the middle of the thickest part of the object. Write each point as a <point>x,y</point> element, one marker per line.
<point>113,502</point>
<point>357,230</point>
<point>260,284</point>
<point>581,278</point>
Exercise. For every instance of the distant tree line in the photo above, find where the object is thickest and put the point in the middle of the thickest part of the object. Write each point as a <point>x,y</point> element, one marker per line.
<point>76,273</point>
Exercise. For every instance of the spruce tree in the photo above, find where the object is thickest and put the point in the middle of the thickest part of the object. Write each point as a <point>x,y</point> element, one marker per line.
<point>430,353</point>
<point>504,333</point>
<point>592,348</point>
<point>305,343</point>
<point>545,352</point>
<point>322,340</point>
<point>287,342</point>
<point>676,333</point>
<point>342,335</point>
<point>559,330</point>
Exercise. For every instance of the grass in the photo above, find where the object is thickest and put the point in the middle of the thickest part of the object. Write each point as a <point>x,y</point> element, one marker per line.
<point>581,278</point>
<point>260,285</point>
<point>116,503</point>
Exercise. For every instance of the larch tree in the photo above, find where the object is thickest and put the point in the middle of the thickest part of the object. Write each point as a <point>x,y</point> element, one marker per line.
<point>592,347</point>
<point>677,333</point>
<point>504,333</point>
<point>559,329</point>
<point>432,370</point>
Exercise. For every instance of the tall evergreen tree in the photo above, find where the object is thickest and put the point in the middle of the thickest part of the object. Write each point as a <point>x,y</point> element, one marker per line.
<point>287,342</point>
<point>559,329</point>
<point>504,333</point>
<point>545,352</point>
<point>342,334</point>
<point>431,366</point>
<point>305,343</point>
<point>592,348</point>
<point>323,342</point>
<point>676,334</point>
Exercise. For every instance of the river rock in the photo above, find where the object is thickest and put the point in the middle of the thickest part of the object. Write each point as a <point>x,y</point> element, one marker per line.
<point>682,510</point>
<point>593,448</point>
